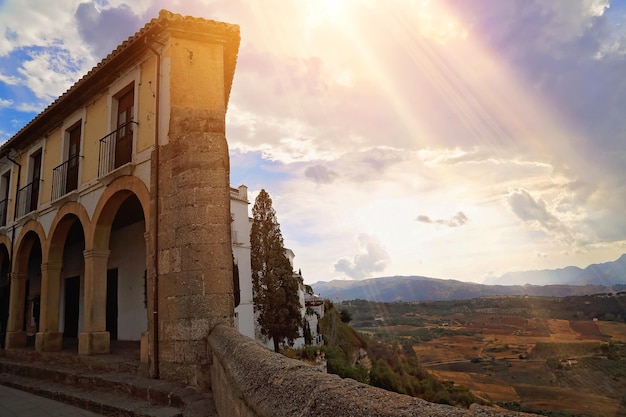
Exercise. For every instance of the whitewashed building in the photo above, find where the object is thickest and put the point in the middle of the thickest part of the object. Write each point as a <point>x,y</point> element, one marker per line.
<point>245,320</point>
<point>241,223</point>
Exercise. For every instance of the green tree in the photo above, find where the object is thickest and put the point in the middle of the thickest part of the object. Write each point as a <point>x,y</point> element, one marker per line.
<point>274,285</point>
<point>345,316</point>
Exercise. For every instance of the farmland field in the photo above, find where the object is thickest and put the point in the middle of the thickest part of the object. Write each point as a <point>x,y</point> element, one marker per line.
<point>541,364</point>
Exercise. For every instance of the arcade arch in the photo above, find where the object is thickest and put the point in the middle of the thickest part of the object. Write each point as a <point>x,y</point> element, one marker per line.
<point>25,293</point>
<point>120,261</point>
<point>63,273</point>
<point>5,289</point>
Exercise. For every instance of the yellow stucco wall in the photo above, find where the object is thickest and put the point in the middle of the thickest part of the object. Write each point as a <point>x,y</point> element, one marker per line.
<point>51,159</point>
<point>94,128</point>
<point>188,85</point>
<point>146,105</point>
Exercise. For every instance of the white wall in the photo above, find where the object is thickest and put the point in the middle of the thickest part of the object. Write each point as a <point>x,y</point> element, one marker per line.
<point>128,255</point>
<point>245,320</point>
<point>240,229</point>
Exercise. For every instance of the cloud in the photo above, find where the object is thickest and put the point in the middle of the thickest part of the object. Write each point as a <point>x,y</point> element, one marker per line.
<point>320,174</point>
<point>30,107</point>
<point>530,210</point>
<point>50,72</point>
<point>457,220</point>
<point>117,23</point>
<point>5,103</point>
<point>535,213</point>
<point>372,257</point>
<point>10,79</point>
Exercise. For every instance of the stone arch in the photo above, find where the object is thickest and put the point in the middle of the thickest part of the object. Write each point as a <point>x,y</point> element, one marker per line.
<point>111,200</point>
<point>116,267</point>
<point>5,286</point>
<point>6,241</point>
<point>28,253</point>
<point>60,227</point>
<point>24,243</point>
<point>63,228</point>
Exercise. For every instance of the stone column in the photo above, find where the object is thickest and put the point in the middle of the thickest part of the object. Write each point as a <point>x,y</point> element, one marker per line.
<point>16,336</point>
<point>146,338</point>
<point>48,338</point>
<point>194,246</point>
<point>94,339</point>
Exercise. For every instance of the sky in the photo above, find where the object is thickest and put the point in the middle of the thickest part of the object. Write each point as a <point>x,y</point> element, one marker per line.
<point>446,138</point>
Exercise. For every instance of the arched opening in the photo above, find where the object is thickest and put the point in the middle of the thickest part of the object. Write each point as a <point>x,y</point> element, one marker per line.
<point>32,299</point>
<point>126,302</point>
<point>63,280</point>
<point>116,267</point>
<point>5,291</point>
<point>71,311</point>
<point>25,292</point>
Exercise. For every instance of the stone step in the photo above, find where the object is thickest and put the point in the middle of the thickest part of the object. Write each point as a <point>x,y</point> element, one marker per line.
<point>124,359</point>
<point>109,404</point>
<point>103,391</point>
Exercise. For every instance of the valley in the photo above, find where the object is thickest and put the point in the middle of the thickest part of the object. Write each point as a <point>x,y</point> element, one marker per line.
<point>554,356</point>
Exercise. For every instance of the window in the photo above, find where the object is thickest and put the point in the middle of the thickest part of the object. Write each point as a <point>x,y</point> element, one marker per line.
<point>116,148</point>
<point>28,196</point>
<point>72,157</point>
<point>35,176</point>
<point>124,132</point>
<point>65,176</point>
<point>5,182</point>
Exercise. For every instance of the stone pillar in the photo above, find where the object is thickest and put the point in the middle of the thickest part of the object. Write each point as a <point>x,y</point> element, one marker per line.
<point>16,336</point>
<point>144,344</point>
<point>94,339</point>
<point>195,287</point>
<point>48,338</point>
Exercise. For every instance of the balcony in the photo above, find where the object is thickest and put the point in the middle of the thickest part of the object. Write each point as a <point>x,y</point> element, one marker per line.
<point>65,177</point>
<point>116,149</point>
<point>4,204</point>
<point>28,198</point>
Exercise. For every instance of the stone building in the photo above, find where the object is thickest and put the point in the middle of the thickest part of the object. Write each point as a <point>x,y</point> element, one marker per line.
<point>114,204</point>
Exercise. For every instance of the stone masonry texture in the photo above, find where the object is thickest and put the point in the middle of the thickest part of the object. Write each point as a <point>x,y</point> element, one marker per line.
<point>248,380</point>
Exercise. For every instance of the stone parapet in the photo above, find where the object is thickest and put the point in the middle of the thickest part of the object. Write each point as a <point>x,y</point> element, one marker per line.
<point>248,380</point>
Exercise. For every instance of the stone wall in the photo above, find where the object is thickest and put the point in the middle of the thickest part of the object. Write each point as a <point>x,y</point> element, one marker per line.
<point>248,380</point>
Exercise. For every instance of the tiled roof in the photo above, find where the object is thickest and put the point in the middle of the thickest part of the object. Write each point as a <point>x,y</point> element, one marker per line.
<point>166,20</point>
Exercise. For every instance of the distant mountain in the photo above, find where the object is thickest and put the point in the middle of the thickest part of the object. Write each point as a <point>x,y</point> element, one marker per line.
<point>595,279</point>
<point>414,288</point>
<point>607,274</point>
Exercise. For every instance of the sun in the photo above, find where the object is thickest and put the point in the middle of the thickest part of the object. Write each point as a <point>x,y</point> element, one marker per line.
<point>325,11</point>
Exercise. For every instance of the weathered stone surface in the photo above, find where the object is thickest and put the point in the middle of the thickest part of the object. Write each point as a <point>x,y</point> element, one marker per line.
<point>48,342</point>
<point>194,248</point>
<point>248,380</point>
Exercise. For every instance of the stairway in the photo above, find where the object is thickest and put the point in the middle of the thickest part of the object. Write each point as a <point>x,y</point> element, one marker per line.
<point>113,385</point>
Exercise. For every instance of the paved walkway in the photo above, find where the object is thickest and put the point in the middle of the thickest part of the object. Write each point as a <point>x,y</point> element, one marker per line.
<point>16,403</point>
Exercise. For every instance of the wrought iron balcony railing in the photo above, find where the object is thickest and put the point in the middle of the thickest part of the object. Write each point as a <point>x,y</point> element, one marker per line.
<point>116,148</point>
<point>28,198</point>
<point>4,205</point>
<point>65,177</point>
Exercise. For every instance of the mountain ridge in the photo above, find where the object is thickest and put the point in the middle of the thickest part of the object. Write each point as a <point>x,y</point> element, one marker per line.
<point>594,279</point>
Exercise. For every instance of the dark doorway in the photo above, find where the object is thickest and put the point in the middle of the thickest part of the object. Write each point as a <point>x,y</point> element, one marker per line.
<point>5,291</point>
<point>112,303</point>
<point>72,300</point>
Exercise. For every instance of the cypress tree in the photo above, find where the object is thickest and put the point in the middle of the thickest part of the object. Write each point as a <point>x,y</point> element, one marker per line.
<point>275,289</point>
